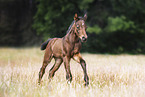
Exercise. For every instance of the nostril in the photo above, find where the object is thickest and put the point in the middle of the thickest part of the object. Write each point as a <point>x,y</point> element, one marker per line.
<point>84,39</point>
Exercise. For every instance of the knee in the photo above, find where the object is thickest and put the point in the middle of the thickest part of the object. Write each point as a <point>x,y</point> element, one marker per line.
<point>51,74</point>
<point>42,70</point>
<point>86,78</point>
<point>82,61</point>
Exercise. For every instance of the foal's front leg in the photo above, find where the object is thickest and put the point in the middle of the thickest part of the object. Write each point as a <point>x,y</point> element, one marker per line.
<point>66,60</point>
<point>86,78</point>
<point>78,58</point>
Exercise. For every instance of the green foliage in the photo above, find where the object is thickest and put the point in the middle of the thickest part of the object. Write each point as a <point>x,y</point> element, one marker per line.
<point>84,4</point>
<point>114,26</point>
<point>119,24</point>
<point>54,17</point>
<point>95,29</point>
<point>128,7</point>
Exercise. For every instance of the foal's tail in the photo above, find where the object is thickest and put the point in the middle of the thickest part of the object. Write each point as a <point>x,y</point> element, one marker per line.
<point>43,46</point>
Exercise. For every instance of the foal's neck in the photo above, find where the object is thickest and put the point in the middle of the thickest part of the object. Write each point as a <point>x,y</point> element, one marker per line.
<point>72,37</point>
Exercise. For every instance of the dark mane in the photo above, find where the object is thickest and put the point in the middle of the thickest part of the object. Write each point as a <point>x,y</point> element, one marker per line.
<point>70,27</point>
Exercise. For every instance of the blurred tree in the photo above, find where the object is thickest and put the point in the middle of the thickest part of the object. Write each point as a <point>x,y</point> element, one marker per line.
<point>54,17</point>
<point>114,26</point>
<point>16,17</point>
<point>121,24</point>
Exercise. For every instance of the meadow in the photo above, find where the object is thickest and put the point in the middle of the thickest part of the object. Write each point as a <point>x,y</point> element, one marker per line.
<point>110,75</point>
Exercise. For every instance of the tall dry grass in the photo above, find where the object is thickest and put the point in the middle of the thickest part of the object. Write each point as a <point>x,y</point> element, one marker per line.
<point>110,75</point>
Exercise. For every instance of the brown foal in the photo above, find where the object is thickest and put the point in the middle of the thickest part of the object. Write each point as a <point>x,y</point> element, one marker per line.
<point>63,49</point>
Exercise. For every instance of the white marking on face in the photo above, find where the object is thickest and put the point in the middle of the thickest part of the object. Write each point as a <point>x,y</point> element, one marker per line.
<point>83,24</point>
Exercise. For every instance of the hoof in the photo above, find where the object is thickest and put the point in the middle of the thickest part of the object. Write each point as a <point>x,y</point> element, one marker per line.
<point>86,84</point>
<point>39,82</point>
<point>68,82</point>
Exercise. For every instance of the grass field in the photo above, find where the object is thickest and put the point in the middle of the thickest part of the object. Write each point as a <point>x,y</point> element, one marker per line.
<point>110,75</point>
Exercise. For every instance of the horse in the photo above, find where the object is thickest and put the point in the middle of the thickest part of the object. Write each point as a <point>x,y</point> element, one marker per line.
<point>66,48</point>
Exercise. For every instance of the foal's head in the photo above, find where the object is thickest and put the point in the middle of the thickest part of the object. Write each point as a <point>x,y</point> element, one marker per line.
<point>80,27</point>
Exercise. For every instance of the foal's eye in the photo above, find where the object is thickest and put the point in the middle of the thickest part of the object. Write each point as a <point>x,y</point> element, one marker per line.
<point>77,26</point>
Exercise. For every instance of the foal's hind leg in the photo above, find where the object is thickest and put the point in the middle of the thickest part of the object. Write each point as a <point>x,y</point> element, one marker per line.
<point>66,60</point>
<point>55,67</point>
<point>78,58</point>
<point>46,61</point>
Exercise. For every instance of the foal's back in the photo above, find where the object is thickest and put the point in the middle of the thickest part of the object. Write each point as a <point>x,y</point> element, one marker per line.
<point>56,47</point>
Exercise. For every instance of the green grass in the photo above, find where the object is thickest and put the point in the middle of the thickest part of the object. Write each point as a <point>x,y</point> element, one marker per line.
<point>110,75</point>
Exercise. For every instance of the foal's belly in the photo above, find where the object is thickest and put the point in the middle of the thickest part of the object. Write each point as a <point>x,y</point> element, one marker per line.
<point>57,48</point>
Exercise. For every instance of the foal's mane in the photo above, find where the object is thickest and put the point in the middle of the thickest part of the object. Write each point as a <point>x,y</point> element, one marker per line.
<point>70,27</point>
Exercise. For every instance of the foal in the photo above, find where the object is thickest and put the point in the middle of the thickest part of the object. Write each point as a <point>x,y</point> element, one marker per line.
<point>63,49</point>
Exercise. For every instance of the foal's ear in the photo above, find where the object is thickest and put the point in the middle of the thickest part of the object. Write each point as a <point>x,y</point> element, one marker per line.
<point>85,17</point>
<point>76,17</point>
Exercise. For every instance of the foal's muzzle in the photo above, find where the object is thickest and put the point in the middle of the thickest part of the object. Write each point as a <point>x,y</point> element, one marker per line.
<point>84,39</point>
